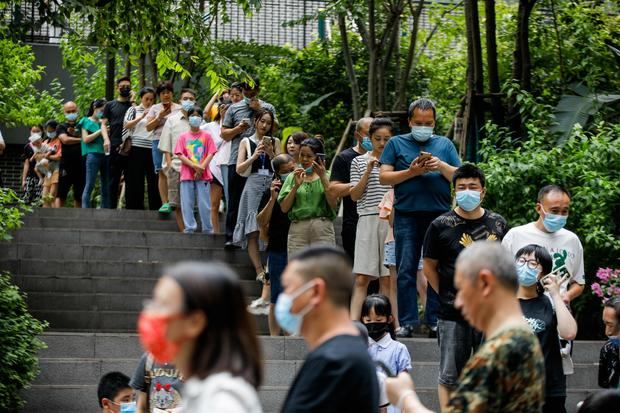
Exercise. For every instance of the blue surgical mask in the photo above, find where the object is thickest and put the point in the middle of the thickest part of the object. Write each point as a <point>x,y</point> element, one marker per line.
<point>367,144</point>
<point>247,100</point>
<point>187,105</point>
<point>51,135</point>
<point>291,323</point>
<point>309,170</point>
<point>71,117</point>
<point>100,115</point>
<point>527,276</point>
<point>422,133</point>
<point>468,199</point>
<point>284,176</point>
<point>128,407</point>
<point>195,121</point>
<point>554,222</point>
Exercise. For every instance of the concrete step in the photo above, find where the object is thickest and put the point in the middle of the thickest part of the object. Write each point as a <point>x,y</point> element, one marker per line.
<point>93,213</point>
<point>33,221</point>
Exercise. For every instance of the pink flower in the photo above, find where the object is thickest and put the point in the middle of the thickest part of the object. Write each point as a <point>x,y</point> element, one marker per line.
<point>596,289</point>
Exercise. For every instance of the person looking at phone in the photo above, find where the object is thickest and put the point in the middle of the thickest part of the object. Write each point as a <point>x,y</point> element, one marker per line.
<point>236,126</point>
<point>305,198</point>
<point>421,193</point>
<point>548,316</point>
<point>155,120</point>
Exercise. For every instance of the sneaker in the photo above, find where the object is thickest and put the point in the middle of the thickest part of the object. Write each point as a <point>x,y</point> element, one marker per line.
<point>259,310</point>
<point>229,245</point>
<point>263,277</point>
<point>404,332</point>
<point>257,306</point>
<point>165,209</point>
<point>432,331</point>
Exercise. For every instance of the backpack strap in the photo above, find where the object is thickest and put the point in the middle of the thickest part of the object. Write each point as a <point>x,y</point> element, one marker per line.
<point>148,377</point>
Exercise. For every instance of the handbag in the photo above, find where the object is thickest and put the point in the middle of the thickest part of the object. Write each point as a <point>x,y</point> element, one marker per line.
<point>248,151</point>
<point>124,148</point>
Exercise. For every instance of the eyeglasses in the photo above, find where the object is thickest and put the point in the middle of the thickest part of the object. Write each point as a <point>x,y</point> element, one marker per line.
<point>531,264</point>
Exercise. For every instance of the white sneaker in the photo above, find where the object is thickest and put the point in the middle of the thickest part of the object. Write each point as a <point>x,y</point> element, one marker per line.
<point>259,302</point>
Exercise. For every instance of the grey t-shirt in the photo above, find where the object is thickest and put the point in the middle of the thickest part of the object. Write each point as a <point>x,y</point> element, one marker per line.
<point>233,117</point>
<point>164,391</point>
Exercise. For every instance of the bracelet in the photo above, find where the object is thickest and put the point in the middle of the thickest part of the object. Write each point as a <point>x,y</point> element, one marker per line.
<point>401,399</point>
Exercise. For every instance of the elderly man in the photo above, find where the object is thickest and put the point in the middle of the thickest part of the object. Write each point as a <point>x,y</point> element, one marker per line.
<point>72,167</point>
<point>507,373</point>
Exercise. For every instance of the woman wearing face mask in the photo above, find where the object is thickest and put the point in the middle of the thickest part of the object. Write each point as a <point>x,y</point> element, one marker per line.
<point>255,155</point>
<point>547,316</point>
<point>96,151</point>
<point>197,319</point>
<point>48,163</point>
<point>367,192</point>
<point>304,197</point>
<point>140,163</point>
<point>31,181</point>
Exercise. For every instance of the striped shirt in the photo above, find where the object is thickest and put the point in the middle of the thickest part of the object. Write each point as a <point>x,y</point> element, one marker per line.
<point>140,137</point>
<point>368,204</point>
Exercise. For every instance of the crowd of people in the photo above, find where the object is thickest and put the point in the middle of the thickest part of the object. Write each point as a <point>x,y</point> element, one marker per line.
<point>495,297</point>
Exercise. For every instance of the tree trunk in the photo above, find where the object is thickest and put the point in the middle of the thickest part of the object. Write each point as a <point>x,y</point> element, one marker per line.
<point>110,74</point>
<point>154,71</point>
<point>371,104</point>
<point>492,69</point>
<point>128,67</point>
<point>401,97</point>
<point>142,70</point>
<point>346,52</point>
<point>475,81</point>
<point>521,70</point>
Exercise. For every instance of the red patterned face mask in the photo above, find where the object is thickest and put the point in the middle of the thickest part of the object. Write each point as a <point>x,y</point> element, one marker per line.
<point>152,331</point>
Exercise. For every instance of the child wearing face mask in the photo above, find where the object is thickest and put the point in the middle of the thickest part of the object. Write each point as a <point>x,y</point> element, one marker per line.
<point>547,315</point>
<point>195,149</point>
<point>378,319</point>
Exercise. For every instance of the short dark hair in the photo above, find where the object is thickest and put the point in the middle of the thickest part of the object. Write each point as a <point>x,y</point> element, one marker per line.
<point>332,265</point>
<point>614,302</point>
<point>540,254</point>
<point>95,104</point>
<point>314,144</point>
<point>51,124</point>
<point>262,112</point>
<point>237,85</point>
<point>123,79</point>
<point>188,90</point>
<point>547,189</point>
<point>379,302</point>
<point>379,123</point>
<point>280,160</point>
<point>297,137</point>
<point>468,170</point>
<point>110,385</point>
<point>423,104</point>
<point>601,401</point>
<point>256,82</point>
<point>196,109</point>
<point>145,90</point>
<point>229,342</point>
<point>163,86</point>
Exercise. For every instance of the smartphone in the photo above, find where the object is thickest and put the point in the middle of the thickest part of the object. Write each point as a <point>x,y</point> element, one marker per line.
<point>424,156</point>
<point>266,140</point>
<point>167,105</point>
<point>385,369</point>
<point>246,121</point>
<point>561,273</point>
<point>321,156</point>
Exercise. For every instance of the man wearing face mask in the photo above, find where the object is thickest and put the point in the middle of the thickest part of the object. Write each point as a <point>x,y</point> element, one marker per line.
<point>176,124</point>
<point>340,186</point>
<point>447,236</point>
<point>112,131</point>
<point>553,206</point>
<point>72,164</point>
<point>338,374</point>
<point>419,165</point>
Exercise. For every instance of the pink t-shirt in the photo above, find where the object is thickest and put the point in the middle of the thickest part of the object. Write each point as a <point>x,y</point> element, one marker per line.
<point>195,146</point>
<point>385,209</point>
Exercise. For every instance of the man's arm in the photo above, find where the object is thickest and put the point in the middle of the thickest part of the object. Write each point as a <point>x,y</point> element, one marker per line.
<point>430,272</point>
<point>388,176</point>
<point>68,140</point>
<point>574,291</point>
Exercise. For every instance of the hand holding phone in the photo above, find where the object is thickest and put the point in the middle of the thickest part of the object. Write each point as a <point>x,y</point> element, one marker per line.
<point>424,156</point>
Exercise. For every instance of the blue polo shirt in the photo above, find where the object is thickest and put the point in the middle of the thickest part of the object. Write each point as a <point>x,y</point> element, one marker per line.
<point>425,193</point>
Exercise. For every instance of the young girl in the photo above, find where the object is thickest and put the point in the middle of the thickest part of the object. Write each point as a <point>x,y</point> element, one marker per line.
<point>195,149</point>
<point>31,180</point>
<point>50,154</point>
<point>371,233</point>
<point>547,316</point>
<point>378,319</point>
<point>94,148</point>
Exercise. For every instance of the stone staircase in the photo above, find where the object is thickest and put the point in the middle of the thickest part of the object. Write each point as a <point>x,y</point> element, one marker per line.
<point>87,271</point>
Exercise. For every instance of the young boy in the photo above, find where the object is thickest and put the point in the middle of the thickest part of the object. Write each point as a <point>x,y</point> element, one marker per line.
<point>114,391</point>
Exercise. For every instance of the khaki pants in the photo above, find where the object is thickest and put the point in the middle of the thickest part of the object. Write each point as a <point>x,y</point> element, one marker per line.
<point>308,232</point>
<point>173,178</point>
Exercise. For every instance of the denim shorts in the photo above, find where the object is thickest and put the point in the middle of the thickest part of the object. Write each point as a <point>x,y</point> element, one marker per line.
<point>457,342</point>
<point>157,156</point>
<point>389,254</point>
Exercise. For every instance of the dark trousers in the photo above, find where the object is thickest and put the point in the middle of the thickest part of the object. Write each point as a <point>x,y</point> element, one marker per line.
<point>555,405</point>
<point>236,183</point>
<point>118,166</point>
<point>348,239</point>
<point>140,166</point>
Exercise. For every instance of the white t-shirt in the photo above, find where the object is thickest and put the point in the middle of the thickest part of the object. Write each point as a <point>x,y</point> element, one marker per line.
<point>223,149</point>
<point>220,393</point>
<point>563,245</point>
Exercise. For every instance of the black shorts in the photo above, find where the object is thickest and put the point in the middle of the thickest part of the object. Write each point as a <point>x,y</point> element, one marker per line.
<point>72,174</point>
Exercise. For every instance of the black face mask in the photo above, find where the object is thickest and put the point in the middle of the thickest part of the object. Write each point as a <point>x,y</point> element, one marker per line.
<point>377,330</point>
<point>125,92</point>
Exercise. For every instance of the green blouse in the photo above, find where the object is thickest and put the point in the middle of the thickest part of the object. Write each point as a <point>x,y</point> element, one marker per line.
<point>310,201</point>
<point>96,145</point>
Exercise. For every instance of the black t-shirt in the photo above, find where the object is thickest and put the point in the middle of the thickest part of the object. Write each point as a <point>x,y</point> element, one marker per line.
<point>114,112</point>
<point>28,153</point>
<point>71,152</point>
<point>540,315</point>
<point>337,377</point>
<point>445,238</point>
<point>341,172</point>
<point>278,225</point>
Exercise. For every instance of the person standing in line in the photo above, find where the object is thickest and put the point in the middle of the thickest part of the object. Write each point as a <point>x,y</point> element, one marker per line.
<point>72,163</point>
<point>155,120</point>
<point>338,374</point>
<point>51,153</point>
<point>112,131</point>
<point>419,165</point>
<point>609,360</point>
<point>293,144</point>
<point>175,125</point>
<point>238,125</point>
<point>31,182</point>
<point>446,237</point>
<point>340,185</point>
<point>236,96</point>
<point>95,148</point>
<point>547,316</point>
<point>507,372</point>
<point>140,162</point>
<point>367,193</point>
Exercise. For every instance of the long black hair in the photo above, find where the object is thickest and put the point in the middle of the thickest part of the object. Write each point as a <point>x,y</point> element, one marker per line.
<point>96,104</point>
<point>315,145</point>
<point>229,342</point>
